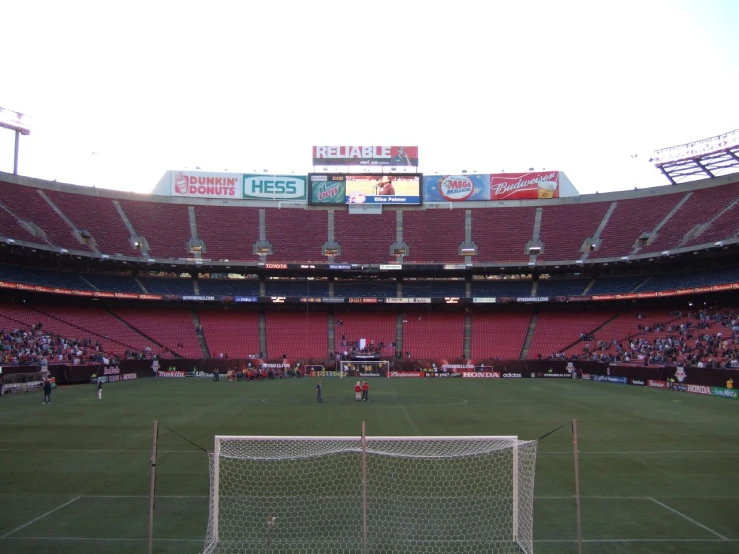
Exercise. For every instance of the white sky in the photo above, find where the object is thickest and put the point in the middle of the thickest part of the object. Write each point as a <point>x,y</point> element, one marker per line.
<point>251,85</point>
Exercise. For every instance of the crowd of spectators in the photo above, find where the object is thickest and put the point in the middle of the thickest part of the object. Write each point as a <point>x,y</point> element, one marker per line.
<point>354,347</point>
<point>36,346</point>
<point>706,338</point>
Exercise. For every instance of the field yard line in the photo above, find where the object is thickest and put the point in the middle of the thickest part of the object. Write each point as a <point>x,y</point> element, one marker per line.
<point>632,540</point>
<point>690,519</point>
<point>542,541</point>
<point>541,452</point>
<point>569,452</point>
<point>98,450</point>
<point>414,428</point>
<point>42,516</point>
<point>96,539</point>
<point>145,496</point>
<point>593,497</point>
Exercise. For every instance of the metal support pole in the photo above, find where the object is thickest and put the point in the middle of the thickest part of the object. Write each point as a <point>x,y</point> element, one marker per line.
<point>15,154</point>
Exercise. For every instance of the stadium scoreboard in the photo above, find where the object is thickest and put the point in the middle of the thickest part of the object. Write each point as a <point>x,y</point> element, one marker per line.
<point>365,188</point>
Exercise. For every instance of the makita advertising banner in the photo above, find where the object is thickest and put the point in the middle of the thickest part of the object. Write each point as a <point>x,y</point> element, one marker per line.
<point>495,186</point>
<point>274,187</point>
<point>199,184</point>
<point>395,156</point>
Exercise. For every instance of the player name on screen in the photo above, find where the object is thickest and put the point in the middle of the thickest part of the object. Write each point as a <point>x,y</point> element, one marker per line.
<point>367,188</point>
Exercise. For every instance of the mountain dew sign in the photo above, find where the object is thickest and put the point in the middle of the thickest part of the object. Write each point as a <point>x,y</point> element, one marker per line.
<point>726,393</point>
<point>327,189</point>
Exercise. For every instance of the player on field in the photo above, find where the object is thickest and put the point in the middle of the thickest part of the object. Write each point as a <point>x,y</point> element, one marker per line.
<point>47,391</point>
<point>271,524</point>
<point>358,391</point>
<point>365,391</point>
<point>100,389</point>
<point>319,393</point>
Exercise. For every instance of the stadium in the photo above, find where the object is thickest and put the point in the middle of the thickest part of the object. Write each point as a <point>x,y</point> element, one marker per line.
<point>532,307</point>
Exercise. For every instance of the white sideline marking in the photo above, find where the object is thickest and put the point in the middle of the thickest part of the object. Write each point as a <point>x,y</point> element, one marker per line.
<point>629,452</point>
<point>145,496</point>
<point>6,535</point>
<point>96,539</point>
<point>632,540</point>
<point>593,541</point>
<point>570,497</point>
<point>541,452</point>
<point>98,450</point>
<point>690,519</point>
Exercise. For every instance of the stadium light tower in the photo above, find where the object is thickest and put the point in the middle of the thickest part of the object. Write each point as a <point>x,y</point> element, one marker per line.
<point>15,121</point>
<point>709,157</point>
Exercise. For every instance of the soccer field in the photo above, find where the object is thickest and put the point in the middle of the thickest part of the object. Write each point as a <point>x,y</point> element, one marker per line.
<point>658,469</point>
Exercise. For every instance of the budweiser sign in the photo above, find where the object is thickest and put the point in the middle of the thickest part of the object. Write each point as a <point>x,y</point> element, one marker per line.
<point>524,186</point>
<point>656,384</point>
<point>206,185</point>
<point>407,374</point>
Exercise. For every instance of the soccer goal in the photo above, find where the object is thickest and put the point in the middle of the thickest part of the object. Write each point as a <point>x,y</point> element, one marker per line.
<point>368,495</point>
<point>373,368</point>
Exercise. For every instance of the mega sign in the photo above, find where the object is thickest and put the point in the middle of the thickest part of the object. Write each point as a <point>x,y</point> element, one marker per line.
<point>495,186</point>
<point>196,184</point>
<point>274,187</point>
<point>365,155</point>
<point>456,188</point>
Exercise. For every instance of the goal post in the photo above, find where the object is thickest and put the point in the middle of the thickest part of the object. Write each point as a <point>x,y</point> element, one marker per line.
<point>371,494</point>
<point>370,368</point>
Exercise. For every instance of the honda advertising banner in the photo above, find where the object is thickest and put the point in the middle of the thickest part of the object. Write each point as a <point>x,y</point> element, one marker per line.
<point>394,156</point>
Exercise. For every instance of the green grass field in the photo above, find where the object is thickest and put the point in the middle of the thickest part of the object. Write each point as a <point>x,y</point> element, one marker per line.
<point>659,469</point>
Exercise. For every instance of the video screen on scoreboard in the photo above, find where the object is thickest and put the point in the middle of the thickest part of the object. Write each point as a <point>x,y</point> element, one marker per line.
<point>366,188</point>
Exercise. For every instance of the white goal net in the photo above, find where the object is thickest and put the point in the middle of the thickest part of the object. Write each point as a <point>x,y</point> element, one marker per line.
<point>371,495</point>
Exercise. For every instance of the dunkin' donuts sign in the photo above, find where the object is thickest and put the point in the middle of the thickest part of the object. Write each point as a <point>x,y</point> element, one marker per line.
<point>196,184</point>
<point>524,186</point>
